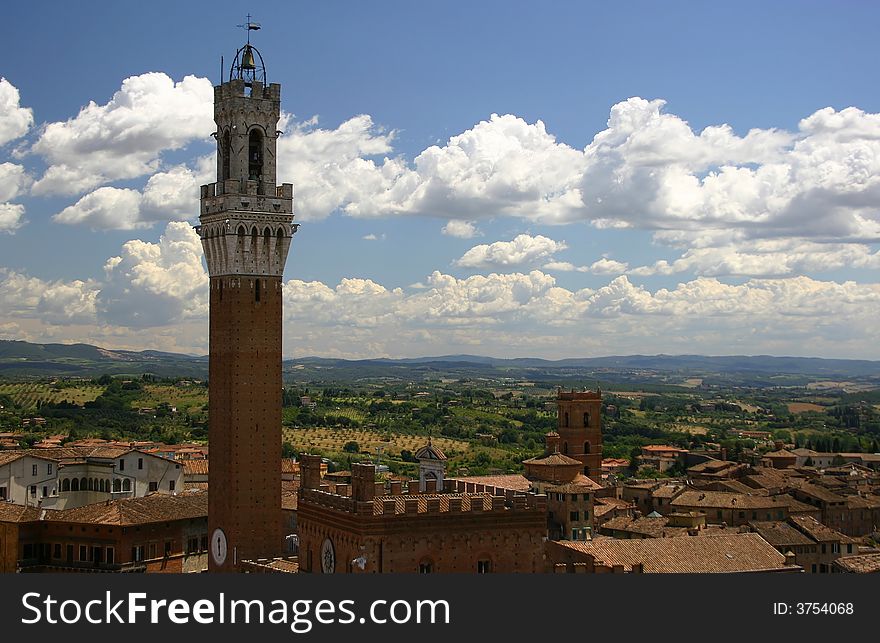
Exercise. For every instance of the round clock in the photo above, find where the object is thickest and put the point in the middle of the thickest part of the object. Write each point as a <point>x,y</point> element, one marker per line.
<point>218,546</point>
<point>328,557</point>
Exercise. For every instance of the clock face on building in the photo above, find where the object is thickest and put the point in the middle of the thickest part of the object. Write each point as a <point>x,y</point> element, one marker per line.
<point>328,557</point>
<point>218,546</point>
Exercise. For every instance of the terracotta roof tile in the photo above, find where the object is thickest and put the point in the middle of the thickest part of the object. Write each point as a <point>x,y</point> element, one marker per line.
<point>156,507</point>
<point>554,459</point>
<point>699,555</point>
<point>18,513</point>
<point>513,481</point>
<point>818,531</point>
<point>862,564</point>
<point>780,534</point>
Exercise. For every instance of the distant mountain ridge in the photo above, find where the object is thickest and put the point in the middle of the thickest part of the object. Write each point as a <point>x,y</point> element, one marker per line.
<point>20,358</point>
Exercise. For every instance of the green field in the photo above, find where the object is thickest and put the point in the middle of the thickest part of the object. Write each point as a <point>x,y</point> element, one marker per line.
<point>30,395</point>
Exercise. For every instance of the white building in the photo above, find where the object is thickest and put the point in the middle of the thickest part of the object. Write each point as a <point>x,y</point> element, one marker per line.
<point>68,477</point>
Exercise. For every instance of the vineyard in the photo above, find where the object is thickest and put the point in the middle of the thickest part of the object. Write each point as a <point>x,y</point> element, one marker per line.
<point>31,395</point>
<point>331,440</point>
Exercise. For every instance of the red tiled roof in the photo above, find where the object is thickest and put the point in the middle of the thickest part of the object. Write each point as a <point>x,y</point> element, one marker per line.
<point>696,555</point>
<point>18,513</point>
<point>861,564</point>
<point>156,507</point>
<point>553,460</point>
<point>514,481</point>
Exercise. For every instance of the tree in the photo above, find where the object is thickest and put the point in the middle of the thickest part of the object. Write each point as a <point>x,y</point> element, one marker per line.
<point>351,447</point>
<point>287,450</point>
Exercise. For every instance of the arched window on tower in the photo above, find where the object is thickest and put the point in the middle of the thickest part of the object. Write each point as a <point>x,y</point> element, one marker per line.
<point>225,156</point>
<point>587,419</point>
<point>565,447</point>
<point>586,447</point>
<point>565,420</point>
<point>255,155</point>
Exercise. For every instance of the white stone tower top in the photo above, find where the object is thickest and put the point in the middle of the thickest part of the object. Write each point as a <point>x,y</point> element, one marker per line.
<point>246,219</point>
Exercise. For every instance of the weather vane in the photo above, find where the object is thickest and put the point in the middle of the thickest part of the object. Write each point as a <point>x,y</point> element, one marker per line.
<point>249,26</point>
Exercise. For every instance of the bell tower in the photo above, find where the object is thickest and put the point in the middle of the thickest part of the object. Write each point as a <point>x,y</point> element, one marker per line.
<point>246,229</point>
<point>579,427</point>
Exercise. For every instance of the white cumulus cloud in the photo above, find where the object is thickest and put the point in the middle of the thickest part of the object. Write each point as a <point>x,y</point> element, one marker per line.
<point>15,120</point>
<point>125,137</point>
<point>523,250</point>
<point>460,229</point>
<point>155,284</point>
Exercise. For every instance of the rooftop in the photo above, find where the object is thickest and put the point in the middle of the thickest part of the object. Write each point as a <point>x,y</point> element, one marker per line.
<point>155,507</point>
<point>726,553</point>
<point>515,481</point>
<point>862,564</point>
<point>780,534</point>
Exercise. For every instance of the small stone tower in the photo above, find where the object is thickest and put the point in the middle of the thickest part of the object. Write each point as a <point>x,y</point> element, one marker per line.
<point>432,466</point>
<point>579,424</point>
<point>246,230</point>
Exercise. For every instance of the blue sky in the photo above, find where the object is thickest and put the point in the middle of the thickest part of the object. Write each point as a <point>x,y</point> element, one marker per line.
<point>660,177</point>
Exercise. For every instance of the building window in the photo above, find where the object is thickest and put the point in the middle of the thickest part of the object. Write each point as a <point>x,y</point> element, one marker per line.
<point>137,553</point>
<point>126,485</point>
<point>171,485</point>
<point>111,555</point>
<point>823,548</point>
<point>56,551</point>
<point>586,424</point>
<point>484,566</point>
<point>2,493</point>
<point>719,513</point>
<point>167,548</point>
<point>122,465</point>
<point>45,491</point>
<point>140,463</point>
<point>574,516</point>
<point>33,491</point>
<point>152,550</point>
<point>49,468</point>
<point>154,486</point>
<point>814,568</point>
<point>34,470</point>
<point>70,553</point>
<point>83,553</point>
<point>835,548</point>
<point>565,447</point>
<point>426,567</point>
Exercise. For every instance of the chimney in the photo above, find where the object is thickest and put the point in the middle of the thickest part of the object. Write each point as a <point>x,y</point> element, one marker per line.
<point>310,470</point>
<point>363,482</point>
